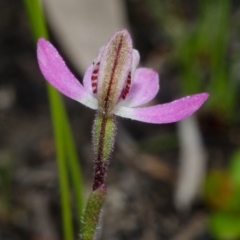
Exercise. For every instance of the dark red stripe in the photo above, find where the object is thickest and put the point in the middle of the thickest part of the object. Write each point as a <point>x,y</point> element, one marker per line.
<point>100,166</point>
<point>106,102</point>
<point>126,89</point>
<point>94,77</point>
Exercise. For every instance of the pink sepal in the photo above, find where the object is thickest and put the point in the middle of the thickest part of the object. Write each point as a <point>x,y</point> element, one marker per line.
<point>144,88</point>
<point>165,113</point>
<point>58,75</point>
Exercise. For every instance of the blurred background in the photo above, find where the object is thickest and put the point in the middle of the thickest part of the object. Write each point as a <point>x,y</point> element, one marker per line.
<point>175,181</point>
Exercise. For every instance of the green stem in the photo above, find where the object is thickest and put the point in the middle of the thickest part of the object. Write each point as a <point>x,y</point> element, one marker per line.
<point>92,213</point>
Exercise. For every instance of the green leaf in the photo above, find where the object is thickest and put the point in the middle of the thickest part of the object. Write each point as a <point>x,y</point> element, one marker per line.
<point>218,189</point>
<point>225,225</point>
<point>234,168</point>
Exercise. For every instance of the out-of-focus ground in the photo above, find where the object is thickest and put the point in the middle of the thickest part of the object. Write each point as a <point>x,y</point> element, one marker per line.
<point>142,176</point>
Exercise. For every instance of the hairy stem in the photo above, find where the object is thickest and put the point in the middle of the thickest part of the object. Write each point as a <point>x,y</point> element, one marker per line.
<point>104,132</point>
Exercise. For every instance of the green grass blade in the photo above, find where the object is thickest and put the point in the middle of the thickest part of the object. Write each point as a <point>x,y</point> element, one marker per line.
<point>74,169</point>
<point>36,18</point>
<point>62,133</point>
<point>58,124</point>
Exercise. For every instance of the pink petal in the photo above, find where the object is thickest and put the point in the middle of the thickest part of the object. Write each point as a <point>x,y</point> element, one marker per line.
<point>165,113</point>
<point>87,80</point>
<point>87,83</point>
<point>135,61</point>
<point>58,75</point>
<point>144,88</point>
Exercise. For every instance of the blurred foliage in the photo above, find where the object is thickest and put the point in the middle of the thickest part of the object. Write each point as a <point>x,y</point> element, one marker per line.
<point>222,194</point>
<point>5,184</point>
<point>203,39</point>
<point>157,144</point>
<point>203,47</point>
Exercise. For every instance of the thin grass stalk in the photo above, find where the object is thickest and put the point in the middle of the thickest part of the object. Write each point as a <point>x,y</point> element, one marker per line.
<point>65,147</point>
<point>58,123</point>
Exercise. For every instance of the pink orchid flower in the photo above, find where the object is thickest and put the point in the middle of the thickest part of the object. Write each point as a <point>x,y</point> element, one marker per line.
<point>112,84</point>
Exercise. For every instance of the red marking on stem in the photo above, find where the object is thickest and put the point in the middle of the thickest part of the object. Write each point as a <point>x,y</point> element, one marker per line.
<point>100,166</point>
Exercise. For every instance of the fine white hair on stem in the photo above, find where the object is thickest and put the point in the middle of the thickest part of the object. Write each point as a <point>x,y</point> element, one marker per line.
<point>98,231</point>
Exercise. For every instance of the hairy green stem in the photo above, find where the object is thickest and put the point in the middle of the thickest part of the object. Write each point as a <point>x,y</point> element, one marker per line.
<point>104,132</point>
